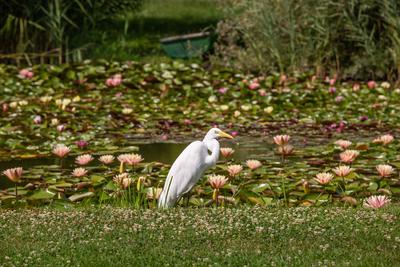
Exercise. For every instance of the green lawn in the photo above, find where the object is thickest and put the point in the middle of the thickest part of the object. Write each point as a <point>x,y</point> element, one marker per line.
<point>136,35</point>
<point>201,237</point>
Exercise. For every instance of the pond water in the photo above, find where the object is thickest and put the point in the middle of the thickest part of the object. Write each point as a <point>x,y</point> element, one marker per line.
<point>167,152</point>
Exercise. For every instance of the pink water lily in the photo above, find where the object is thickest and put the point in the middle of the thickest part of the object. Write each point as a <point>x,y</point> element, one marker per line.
<point>384,170</point>
<point>107,159</point>
<point>217,181</point>
<point>349,156</point>
<point>253,164</point>
<point>226,151</point>
<point>25,74</point>
<point>61,150</point>
<point>114,81</point>
<point>324,178</point>
<point>234,169</point>
<point>344,144</point>
<point>79,172</point>
<point>281,140</point>
<point>83,159</point>
<point>14,174</point>
<point>376,202</point>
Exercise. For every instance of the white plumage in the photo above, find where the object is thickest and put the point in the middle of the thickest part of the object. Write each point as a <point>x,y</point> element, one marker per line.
<point>189,167</point>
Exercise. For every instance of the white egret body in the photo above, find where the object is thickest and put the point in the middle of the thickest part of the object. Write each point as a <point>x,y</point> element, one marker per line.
<point>190,165</point>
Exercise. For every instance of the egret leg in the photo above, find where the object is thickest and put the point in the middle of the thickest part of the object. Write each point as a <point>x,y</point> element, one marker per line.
<point>188,195</point>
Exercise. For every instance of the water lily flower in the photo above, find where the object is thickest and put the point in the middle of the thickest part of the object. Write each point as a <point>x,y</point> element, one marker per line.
<point>268,110</point>
<point>4,107</point>
<point>371,84</point>
<point>127,111</point>
<point>23,103</point>
<point>262,92</point>
<point>339,99</point>
<point>114,81</point>
<point>363,118</point>
<point>376,202</point>
<point>14,174</point>
<point>13,104</point>
<point>234,169</point>
<point>253,164</point>
<point>332,90</point>
<point>83,159</point>
<point>25,74</point>
<point>46,99</point>
<point>217,181</point>
<point>79,172</point>
<point>281,140</point>
<point>344,144</point>
<point>107,159</point>
<point>222,90</point>
<point>37,119</point>
<point>285,150</point>
<point>187,122</point>
<point>234,133</point>
<point>254,86</point>
<point>324,177</point>
<point>81,144</point>
<point>130,159</point>
<point>332,81</point>
<point>61,150</point>
<point>226,151</point>
<point>342,171</point>
<point>212,99</point>
<point>123,180</point>
<point>237,113</point>
<point>60,127</point>
<point>384,170</point>
<point>385,85</point>
<point>384,139</point>
<point>349,156</point>
<point>356,87</point>
<point>54,122</point>
<point>224,107</point>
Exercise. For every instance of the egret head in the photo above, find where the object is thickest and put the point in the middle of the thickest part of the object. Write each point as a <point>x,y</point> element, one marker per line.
<point>216,133</point>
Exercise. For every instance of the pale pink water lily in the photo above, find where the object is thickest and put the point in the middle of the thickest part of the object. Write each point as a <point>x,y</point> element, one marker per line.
<point>332,81</point>
<point>332,90</point>
<point>253,164</point>
<point>14,174</point>
<point>114,81</point>
<point>37,119</point>
<point>234,133</point>
<point>356,87</point>
<point>342,171</point>
<point>376,202</point>
<point>61,150</point>
<point>384,139</point>
<point>324,177</point>
<point>254,86</point>
<point>61,127</point>
<point>262,92</point>
<point>343,144</point>
<point>25,74</point>
<point>123,180</point>
<point>371,84</point>
<point>83,159</point>
<point>339,99</point>
<point>79,172</point>
<point>107,159</point>
<point>349,156</point>
<point>281,140</point>
<point>217,181</point>
<point>285,150</point>
<point>130,159</point>
<point>81,143</point>
<point>226,151</point>
<point>234,169</point>
<point>222,90</point>
<point>385,170</point>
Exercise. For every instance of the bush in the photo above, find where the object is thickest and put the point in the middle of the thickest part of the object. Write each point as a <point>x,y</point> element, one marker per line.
<point>352,38</point>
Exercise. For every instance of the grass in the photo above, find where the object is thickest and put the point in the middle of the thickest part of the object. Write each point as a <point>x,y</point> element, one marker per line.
<point>201,237</point>
<point>136,35</point>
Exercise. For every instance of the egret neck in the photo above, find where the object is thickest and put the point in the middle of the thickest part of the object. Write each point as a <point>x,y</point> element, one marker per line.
<point>213,146</point>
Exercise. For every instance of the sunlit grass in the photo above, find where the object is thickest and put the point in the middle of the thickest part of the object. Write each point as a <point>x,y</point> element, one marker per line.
<point>200,237</point>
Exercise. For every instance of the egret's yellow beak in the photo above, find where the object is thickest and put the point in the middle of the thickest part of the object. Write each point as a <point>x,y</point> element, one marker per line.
<point>223,134</point>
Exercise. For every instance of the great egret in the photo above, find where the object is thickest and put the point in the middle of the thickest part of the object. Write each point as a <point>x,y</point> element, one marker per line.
<point>190,166</point>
